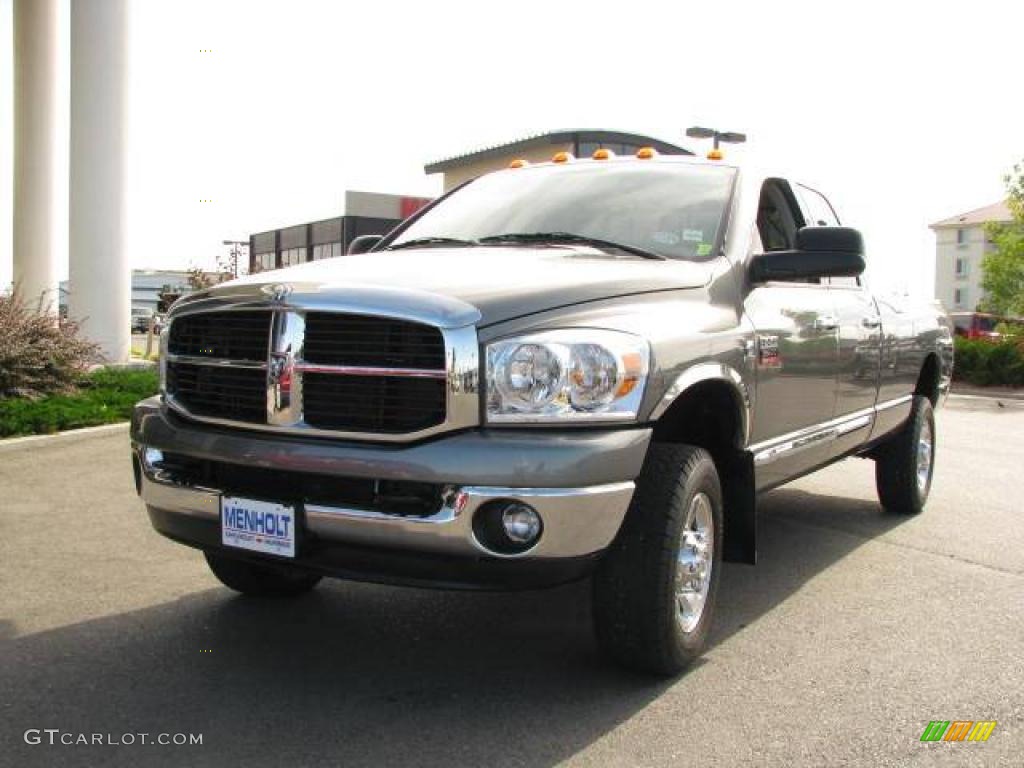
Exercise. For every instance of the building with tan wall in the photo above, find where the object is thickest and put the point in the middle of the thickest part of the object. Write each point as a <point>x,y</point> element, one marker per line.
<point>961,242</point>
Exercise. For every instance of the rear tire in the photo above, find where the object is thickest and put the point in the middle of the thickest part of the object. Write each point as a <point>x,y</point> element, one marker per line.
<point>259,580</point>
<point>904,465</point>
<point>665,561</point>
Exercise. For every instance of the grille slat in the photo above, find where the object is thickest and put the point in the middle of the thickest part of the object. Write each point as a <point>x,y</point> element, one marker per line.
<point>373,404</point>
<point>221,335</point>
<point>238,394</point>
<point>365,403</point>
<point>337,339</point>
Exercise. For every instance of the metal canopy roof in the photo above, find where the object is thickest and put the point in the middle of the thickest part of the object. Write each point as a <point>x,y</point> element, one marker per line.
<point>556,137</point>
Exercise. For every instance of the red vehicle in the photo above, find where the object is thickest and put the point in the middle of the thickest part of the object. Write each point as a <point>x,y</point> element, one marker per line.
<point>981,325</point>
<point>978,325</point>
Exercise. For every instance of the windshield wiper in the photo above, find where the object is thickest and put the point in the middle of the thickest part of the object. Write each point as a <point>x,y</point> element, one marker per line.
<point>416,242</point>
<point>569,237</point>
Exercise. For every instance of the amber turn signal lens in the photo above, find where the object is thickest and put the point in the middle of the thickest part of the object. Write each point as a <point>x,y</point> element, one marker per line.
<point>646,153</point>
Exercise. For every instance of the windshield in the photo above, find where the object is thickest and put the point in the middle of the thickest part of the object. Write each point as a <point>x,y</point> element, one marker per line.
<point>671,209</point>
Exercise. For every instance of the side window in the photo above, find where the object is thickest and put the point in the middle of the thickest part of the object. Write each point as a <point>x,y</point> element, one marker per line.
<point>818,211</point>
<point>778,218</point>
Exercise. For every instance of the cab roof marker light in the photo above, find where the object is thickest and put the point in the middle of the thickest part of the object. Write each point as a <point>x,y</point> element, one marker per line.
<point>562,157</point>
<point>715,154</point>
<point>519,163</point>
<point>603,154</point>
<point>646,153</point>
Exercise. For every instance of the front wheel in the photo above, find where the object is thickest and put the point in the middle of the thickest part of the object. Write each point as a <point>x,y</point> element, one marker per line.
<point>259,580</point>
<point>905,463</point>
<point>654,593</point>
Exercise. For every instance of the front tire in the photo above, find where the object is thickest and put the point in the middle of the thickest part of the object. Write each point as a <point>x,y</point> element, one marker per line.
<point>905,463</point>
<point>260,580</point>
<point>654,592</point>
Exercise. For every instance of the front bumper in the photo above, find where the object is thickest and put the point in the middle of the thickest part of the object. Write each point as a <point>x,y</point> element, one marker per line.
<point>580,483</point>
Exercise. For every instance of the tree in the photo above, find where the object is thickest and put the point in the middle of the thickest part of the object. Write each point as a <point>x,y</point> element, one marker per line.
<point>1003,268</point>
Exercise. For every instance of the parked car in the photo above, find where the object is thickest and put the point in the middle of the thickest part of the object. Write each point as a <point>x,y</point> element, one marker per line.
<point>140,319</point>
<point>585,368</point>
<point>981,325</point>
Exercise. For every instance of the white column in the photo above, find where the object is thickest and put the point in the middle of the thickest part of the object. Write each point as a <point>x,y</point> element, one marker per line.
<point>100,286</point>
<point>36,41</point>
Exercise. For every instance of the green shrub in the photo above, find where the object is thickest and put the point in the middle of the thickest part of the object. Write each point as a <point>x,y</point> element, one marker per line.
<point>39,355</point>
<point>103,397</point>
<point>989,364</point>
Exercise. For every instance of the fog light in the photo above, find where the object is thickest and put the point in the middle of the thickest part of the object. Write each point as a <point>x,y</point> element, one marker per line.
<point>153,457</point>
<point>521,523</point>
<point>507,527</point>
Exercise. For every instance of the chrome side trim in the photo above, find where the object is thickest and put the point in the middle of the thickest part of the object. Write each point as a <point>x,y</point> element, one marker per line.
<point>708,372</point>
<point>854,423</point>
<point>893,403</point>
<point>792,442</point>
<point>808,437</point>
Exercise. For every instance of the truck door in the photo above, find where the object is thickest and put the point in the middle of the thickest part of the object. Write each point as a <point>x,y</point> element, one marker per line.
<point>796,349</point>
<point>859,328</point>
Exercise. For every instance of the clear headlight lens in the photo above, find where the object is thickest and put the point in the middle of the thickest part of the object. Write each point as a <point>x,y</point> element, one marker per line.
<point>568,375</point>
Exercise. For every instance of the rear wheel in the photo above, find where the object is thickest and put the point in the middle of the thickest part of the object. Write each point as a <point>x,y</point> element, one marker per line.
<point>904,465</point>
<point>654,593</point>
<point>258,579</point>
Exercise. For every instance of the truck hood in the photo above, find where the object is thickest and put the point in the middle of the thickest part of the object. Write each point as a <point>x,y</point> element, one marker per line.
<point>458,286</point>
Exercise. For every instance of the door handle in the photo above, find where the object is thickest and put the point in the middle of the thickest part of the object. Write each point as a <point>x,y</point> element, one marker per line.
<point>869,321</point>
<point>826,323</point>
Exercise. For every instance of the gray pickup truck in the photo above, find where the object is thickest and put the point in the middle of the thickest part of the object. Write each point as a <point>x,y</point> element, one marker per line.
<point>584,368</point>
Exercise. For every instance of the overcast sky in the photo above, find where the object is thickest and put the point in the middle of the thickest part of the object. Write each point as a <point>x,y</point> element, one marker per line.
<point>904,113</point>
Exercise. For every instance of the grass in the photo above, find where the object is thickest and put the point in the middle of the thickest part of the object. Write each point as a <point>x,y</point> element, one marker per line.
<point>104,397</point>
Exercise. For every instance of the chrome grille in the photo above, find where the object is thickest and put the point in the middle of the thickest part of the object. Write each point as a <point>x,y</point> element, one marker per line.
<point>222,335</point>
<point>335,373</point>
<point>239,394</point>
<point>385,404</point>
<point>356,340</point>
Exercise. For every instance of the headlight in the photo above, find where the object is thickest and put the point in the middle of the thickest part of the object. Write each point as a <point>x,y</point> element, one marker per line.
<point>568,375</point>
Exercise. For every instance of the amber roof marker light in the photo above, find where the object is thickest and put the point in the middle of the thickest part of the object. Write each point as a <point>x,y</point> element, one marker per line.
<point>519,163</point>
<point>725,137</point>
<point>562,157</point>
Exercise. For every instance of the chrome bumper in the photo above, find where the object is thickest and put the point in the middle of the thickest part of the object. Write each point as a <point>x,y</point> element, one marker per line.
<point>577,521</point>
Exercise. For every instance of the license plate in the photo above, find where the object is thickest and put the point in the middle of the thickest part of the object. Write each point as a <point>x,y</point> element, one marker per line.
<point>260,526</point>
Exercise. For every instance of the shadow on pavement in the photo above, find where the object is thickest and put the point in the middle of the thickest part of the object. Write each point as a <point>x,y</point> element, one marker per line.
<point>366,675</point>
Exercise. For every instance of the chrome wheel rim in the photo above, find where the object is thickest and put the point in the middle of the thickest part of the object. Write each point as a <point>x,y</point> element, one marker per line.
<point>925,447</point>
<point>693,562</point>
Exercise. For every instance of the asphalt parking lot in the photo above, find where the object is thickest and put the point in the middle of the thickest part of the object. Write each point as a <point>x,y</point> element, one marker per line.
<point>853,631</point>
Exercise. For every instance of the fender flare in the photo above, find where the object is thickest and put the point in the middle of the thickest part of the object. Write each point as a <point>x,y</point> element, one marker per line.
<point>708,371</point>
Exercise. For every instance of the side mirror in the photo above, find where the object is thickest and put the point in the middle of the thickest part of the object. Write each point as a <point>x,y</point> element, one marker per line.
<point>819,252</point>
<point>363,243</point>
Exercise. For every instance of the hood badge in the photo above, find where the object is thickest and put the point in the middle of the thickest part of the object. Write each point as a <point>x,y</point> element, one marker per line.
<point>277,292</point>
